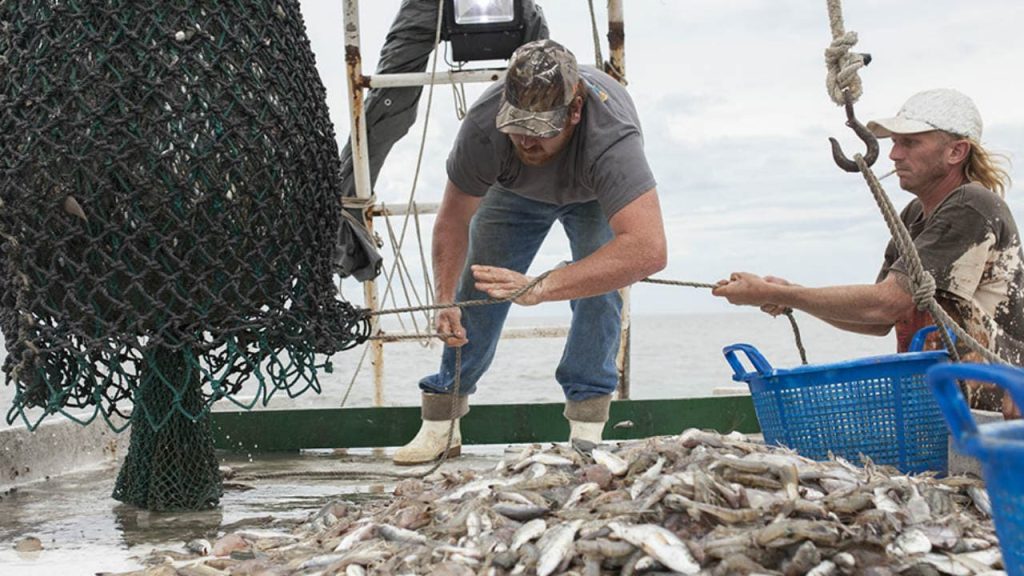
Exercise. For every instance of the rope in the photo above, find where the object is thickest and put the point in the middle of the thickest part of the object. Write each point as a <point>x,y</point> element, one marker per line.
<point>487,301</point>
<point>921,281</point>
<point>458,91</point>
<point>465,303</point>
<point>598,58</point>
<point>677,283</point>
<point>788,312</point>
<point>405,274</point>
<point>796,335</point>
<point>842,64</point>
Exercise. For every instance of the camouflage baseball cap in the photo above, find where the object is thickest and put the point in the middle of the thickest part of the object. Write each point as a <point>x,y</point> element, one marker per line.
<point>539,86</point>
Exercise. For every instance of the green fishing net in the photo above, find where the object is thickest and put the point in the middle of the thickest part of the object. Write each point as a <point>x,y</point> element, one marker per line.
<point>169,221</point>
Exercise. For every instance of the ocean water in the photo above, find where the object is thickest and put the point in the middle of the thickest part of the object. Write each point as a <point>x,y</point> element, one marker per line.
<point>672,356</point>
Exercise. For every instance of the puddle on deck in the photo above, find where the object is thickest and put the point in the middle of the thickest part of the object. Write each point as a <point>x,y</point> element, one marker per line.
<point>84,531</point>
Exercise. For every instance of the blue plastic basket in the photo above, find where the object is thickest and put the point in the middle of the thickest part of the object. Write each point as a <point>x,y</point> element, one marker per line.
<point>880,407</point>
<point>998,446</point>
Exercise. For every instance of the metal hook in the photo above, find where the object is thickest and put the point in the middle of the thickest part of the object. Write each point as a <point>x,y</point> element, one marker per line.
<point>863,133</point>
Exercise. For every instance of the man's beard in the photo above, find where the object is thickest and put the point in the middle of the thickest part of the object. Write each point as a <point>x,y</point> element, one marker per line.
<point>535,157</point>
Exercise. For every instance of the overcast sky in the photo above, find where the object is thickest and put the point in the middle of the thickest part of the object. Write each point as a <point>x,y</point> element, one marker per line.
<point>736,119</point>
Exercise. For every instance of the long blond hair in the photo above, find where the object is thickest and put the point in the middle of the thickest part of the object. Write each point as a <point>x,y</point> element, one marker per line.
<point>986,168</point>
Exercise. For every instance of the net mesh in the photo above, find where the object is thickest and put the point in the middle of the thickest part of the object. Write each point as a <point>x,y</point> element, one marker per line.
<point>169,210</point>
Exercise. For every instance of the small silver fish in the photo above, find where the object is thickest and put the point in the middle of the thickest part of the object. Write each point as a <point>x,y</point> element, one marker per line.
<point>658,542</point>
<point>396,534</point>
<point>542,458</point>
<point>981,500</point>
<point>364,532</point>
<point>613,463</point>
<point>555,546</point>
<point>527,532</point>
<point>647,478</point>
<point>578,492</point>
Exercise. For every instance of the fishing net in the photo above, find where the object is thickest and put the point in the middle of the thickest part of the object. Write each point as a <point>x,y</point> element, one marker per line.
<point>169,219</point>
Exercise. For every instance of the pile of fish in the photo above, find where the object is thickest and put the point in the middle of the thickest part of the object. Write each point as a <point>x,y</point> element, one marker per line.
<point>697,503</point>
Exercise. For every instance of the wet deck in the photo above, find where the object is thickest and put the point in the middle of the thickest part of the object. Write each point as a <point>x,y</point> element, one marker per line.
<point>84,531</point>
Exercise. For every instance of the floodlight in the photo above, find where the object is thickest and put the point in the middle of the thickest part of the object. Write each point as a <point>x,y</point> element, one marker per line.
<point>483,29</point>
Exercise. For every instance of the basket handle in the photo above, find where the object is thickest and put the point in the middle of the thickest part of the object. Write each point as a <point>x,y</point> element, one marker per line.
<point>917,343</point>
<point>740,373</point>
<point>943,379</point>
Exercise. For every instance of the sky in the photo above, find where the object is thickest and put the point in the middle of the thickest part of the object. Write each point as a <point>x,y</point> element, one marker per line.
<point>736,118</point>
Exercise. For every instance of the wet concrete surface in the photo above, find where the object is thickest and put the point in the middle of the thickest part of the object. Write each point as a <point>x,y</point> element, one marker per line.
<point>84,531</point>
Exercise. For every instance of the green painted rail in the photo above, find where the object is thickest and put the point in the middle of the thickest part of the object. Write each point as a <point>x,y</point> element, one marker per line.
<point>292,430</point>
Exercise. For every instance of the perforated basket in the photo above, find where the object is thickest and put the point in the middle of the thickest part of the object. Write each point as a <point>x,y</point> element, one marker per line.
<point>880,407</point>
<point>998,446</point>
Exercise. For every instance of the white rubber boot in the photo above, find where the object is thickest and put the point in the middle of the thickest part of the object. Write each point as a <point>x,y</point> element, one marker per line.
<point>430,442</point>
<point>587,418</point>
<point>589,431</point>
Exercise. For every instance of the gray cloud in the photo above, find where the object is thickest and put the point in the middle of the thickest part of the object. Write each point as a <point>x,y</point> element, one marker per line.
<point>735,114</point>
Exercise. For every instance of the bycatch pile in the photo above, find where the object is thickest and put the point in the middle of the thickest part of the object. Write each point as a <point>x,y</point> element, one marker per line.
<point>697,503</point>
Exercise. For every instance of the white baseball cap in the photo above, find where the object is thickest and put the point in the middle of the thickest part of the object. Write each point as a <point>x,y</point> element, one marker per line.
<point>939,109</point>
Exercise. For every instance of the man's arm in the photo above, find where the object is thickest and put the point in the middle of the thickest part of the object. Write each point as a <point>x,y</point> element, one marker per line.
<point>863,308</point>
<point>637,251</point>
<point>448,253</point>
<point>775,310</point>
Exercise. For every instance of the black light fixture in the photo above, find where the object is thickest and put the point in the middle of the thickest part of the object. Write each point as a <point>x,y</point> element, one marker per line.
<point>483,29</point>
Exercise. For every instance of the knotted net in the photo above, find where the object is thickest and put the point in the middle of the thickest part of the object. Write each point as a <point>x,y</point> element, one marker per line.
<point>169,216</point>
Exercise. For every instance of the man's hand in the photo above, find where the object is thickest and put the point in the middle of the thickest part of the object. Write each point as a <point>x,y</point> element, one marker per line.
<point>449,321</point>
<point>775,309</point>
<point>744,288</point>
<point>502,283</point>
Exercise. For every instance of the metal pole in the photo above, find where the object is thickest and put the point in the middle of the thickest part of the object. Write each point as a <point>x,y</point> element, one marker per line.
<point>423,78</point>
<point>361,173</point>
<point>616,41</point>
<point>616,67</point>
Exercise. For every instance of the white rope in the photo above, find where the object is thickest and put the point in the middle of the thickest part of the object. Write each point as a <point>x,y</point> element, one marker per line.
<point>843,66</point>
<point>598,58</point>
<point>458,93</point>
<point>403,276</point>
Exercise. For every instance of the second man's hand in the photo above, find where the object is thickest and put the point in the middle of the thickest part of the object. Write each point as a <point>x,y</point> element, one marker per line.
<point>744,288</point>
<point>503,283</point>
<point>449,323</point>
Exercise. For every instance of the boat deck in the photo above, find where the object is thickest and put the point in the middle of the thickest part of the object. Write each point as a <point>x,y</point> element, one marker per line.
<point>84,531</point>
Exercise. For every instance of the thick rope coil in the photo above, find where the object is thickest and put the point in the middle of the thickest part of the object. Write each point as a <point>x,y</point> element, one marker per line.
<point>924,290</point>
<point>842,64</point>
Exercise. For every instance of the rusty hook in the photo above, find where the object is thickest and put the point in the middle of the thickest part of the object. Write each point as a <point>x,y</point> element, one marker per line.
<point>863,133</point>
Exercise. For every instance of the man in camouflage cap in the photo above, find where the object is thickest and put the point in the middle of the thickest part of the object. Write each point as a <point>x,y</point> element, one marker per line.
<point>552,141</point>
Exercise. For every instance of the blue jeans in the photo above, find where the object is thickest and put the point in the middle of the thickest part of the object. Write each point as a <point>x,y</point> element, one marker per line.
<point>507,230</point>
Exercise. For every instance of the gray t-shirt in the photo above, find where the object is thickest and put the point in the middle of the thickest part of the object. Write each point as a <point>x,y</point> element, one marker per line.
<point>604,160</point>
<point>972,247</point>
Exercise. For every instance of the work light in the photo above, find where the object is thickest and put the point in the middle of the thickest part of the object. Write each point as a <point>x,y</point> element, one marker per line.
<point>483,29</point>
